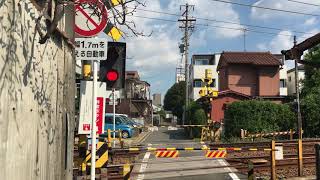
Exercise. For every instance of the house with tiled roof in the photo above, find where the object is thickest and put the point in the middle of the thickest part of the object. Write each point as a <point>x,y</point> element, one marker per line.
<point>248,75</point>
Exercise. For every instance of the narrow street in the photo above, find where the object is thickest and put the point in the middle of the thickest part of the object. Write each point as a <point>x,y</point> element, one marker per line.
<point>188,164</point>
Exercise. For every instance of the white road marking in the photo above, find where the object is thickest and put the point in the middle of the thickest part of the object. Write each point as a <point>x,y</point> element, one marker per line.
<point>143,166</point>
<point>231,174</point>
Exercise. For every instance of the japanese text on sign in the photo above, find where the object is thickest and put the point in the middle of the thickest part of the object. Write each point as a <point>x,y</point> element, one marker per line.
<point>91,49</point>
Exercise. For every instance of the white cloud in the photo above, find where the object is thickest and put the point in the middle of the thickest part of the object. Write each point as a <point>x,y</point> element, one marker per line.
<point>310,22</point>
<point>212,10</point>
<point>278,43</point>
<point>257,13</point>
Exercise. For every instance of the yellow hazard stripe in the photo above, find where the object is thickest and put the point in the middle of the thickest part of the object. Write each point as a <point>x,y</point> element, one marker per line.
<point>171,149</point>
<point>253,149</point>
<point>267,149</point>
<point>116,2</point>
<point>237,149</point>
<point>189,148</point>
<point>115,33</point>
<point>176,153</point>
<point>205,148</point>
<point>222,149</point>
<point>151,149</point>
<point>134,149</point>
<point>102,160</point>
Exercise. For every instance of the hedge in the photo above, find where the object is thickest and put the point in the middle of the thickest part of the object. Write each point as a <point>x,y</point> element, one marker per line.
<point>257,116</point>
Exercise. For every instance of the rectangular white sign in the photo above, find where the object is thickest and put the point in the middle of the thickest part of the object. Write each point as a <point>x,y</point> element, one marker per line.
<point>85,114</point>
<point>91,49</point>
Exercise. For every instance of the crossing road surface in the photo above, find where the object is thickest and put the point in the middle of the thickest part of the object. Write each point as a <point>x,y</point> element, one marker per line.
<point>189,165</point>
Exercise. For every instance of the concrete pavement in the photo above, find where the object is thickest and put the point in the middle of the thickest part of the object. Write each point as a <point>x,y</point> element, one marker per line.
<point>189,164</point>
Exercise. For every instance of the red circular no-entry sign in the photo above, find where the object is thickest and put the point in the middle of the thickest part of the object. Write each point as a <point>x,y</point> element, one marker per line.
<point>94,8</point>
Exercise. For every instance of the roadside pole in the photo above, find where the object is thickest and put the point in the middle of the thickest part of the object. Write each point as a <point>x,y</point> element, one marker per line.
<point>114,118</point>
<point>93,122</point>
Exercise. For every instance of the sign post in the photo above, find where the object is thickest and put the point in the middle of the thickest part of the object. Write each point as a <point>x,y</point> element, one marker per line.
<point>93,49</point>
<point>94,117</point>
<point>114,118</point>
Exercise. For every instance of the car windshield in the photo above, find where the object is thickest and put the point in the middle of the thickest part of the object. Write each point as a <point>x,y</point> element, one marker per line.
<point>126,120</point>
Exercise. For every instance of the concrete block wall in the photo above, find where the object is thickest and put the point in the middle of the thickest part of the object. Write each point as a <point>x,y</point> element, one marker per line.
<point>36,98</point>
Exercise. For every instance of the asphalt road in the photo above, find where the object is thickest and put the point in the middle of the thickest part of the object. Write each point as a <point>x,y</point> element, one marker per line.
<point>188,165</point>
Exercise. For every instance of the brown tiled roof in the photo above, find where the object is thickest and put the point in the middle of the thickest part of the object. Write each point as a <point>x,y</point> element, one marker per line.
<point>254,58</point>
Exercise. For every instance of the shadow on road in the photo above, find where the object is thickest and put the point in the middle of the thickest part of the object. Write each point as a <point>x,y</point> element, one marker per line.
<point>177,134</point>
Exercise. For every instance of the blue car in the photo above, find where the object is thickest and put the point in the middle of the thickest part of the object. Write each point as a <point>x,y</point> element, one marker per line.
<point>126,128</point>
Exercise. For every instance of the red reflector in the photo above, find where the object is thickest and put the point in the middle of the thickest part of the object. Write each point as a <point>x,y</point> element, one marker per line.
<point>112,75</point>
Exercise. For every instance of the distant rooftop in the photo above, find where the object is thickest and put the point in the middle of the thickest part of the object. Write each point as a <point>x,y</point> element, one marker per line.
<point>254,58</point>
<point>132,75</point>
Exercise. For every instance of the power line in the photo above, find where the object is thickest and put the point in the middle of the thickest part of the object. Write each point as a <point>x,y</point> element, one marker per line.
<point>214,26</point>
<point>300,2</point>
<point>267,8</point>
<point>222,21</point>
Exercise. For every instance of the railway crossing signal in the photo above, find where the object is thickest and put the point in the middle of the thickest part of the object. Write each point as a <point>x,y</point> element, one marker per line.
<point>112,71</point>
<point>206,90</point>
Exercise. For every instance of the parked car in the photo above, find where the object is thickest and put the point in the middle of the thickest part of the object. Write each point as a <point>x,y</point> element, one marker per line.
<point>126,128</point>
<point>133,123</point>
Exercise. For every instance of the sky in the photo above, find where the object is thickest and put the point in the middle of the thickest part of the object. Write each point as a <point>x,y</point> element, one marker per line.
<point>157,56</point>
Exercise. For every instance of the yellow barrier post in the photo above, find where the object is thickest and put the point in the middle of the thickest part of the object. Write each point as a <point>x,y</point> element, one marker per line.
<point>109,138</point>
<point>120,138</point>
<point>300,158</point>
<point>126,171</point>
<point>273,160</point>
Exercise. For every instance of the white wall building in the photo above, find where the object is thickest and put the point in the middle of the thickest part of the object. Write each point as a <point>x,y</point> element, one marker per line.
<point>199,63</point>
<point>283,81</point>
<point>291,79</point>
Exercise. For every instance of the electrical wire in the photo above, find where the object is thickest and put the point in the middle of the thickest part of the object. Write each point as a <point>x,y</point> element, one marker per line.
<point>214,26</point>
<point>222,21</point>
<point>300,2</point>
<point>267,8</point>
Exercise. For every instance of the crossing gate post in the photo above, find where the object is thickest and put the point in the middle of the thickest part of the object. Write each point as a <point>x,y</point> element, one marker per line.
<point>109,138</point>
<point>300,158</point>
<point>273,160</point>
<point>250,170</point>
<point>317,149</point>
<point>291,134</point>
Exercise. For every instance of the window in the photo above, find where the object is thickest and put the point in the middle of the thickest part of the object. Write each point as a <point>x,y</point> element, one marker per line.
<point>282,83</point>
<point>109,120</point>
<point>201,62</point>
<point>197,83</point>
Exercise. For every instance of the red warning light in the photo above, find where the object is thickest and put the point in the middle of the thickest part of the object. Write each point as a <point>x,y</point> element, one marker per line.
<point>112,75</point>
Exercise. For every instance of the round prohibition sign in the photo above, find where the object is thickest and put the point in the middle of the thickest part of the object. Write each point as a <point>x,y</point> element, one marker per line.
<point>99,10</point>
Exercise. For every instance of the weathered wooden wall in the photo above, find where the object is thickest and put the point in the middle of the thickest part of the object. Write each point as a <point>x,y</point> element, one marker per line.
<point>37,90</point>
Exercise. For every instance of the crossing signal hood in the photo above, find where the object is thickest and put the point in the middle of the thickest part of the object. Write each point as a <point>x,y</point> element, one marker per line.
<point>112,71</point>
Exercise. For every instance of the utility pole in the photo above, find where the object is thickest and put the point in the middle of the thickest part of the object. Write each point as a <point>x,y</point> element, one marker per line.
<point>244,38</point>
<point>297,93</point>
<point>187,26</point>
<point>300,150</point>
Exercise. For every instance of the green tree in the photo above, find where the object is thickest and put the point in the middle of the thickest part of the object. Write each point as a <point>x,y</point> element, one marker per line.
<point>257,116</point>
<point>310,95</point>
<point>174,99</point>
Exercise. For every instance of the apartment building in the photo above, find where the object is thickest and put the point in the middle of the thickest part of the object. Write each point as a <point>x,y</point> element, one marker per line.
<point>199,63</point>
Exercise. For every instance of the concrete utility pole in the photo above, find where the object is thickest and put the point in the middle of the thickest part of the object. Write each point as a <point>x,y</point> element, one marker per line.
<point>297,93</point>
<point>187,26</point>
